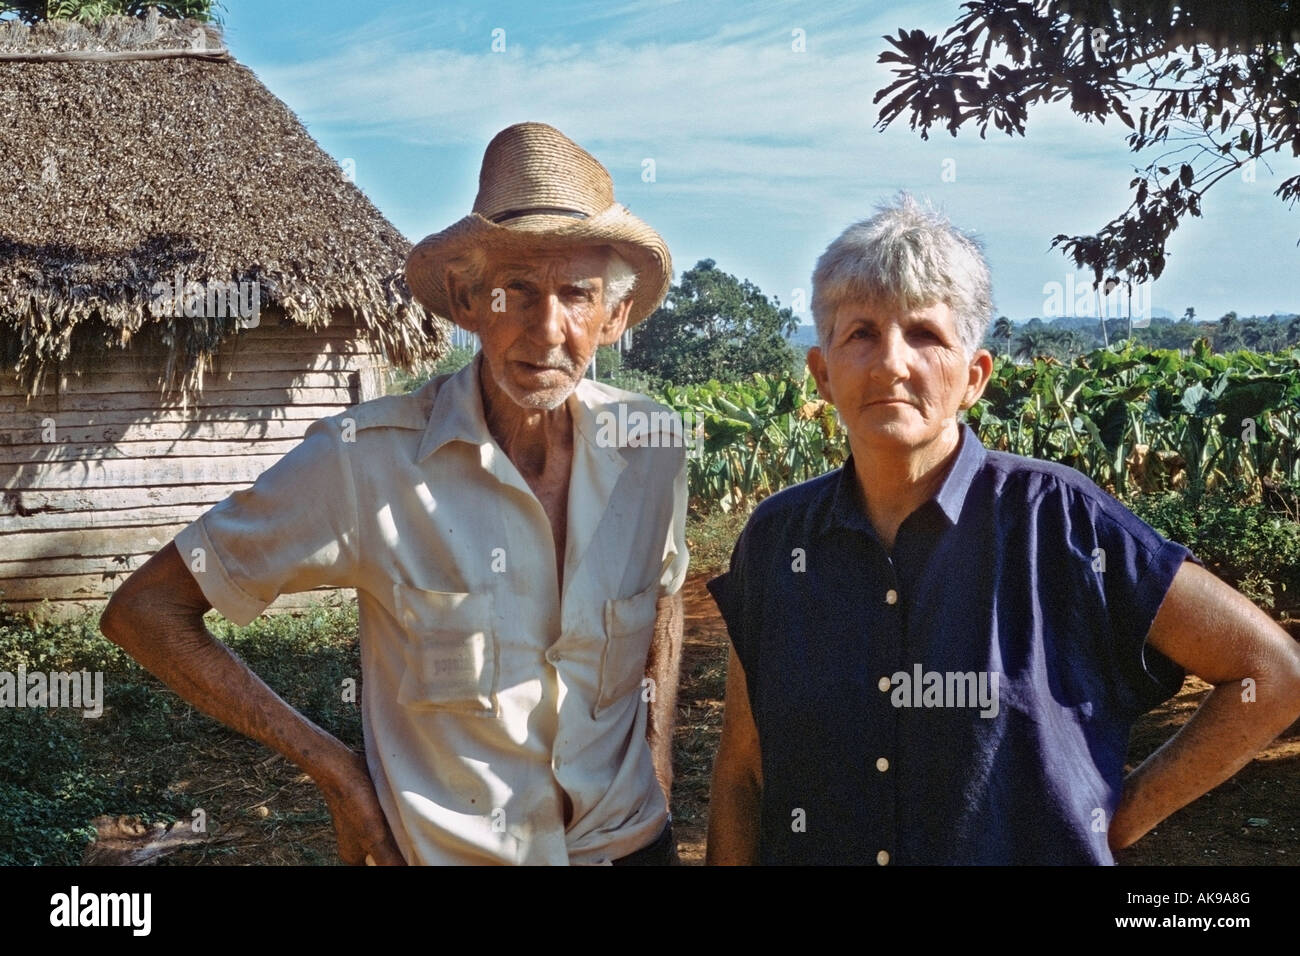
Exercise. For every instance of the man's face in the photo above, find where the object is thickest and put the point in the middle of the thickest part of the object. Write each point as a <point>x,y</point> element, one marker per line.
<point>550,317</point>
<point>898,378</point>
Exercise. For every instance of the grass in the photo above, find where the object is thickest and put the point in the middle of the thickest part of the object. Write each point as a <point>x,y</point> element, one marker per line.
<point>1252,545</point>
<point>152,755</point>
<point>710,538</point>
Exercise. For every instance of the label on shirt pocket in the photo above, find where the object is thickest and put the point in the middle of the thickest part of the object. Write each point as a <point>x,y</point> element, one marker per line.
<point>629,629</point>
<point>450,650</point>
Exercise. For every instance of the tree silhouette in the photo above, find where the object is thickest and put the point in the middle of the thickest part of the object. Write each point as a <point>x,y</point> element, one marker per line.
<point>1207,87</point>
<point>1003,329</point>
<point>1227,338</point>
<point>1033,342</point>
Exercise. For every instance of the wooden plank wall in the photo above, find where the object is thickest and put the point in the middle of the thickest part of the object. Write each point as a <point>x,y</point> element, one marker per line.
<point>127,471</point>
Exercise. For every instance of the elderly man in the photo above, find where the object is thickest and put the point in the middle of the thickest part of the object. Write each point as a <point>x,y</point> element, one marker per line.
<point>939,650</point>
<point>517,563</point>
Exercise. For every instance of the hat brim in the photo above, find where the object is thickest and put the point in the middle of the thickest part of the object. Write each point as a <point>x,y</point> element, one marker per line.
<point>642,247</point>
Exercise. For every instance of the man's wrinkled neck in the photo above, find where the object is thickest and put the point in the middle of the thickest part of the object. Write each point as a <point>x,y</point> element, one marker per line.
<point>530,437</point>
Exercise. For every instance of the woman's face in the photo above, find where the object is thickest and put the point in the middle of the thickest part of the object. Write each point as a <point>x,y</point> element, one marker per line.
<point>898,377</point>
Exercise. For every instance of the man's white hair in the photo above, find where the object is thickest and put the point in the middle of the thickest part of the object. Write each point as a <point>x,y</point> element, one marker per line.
<point>906,256</point>
<point>620,279</point>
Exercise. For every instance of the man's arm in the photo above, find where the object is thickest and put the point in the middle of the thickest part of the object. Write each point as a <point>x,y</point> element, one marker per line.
<point>663,667</point>
<point>737,779</point>
<point>156,615</point>
<point>1212,631</point>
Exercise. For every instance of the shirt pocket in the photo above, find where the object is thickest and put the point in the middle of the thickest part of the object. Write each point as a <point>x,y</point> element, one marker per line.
<point>450,650</point>
<point>629,629</point>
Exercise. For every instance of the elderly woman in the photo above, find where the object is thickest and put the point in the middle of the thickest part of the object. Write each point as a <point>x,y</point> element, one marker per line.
<point>938,651</point>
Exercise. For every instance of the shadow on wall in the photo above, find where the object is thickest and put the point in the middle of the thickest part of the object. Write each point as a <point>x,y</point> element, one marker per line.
<point>100,470</point>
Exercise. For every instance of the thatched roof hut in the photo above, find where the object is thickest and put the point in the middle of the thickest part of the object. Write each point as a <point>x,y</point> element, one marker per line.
<point>144,174</point>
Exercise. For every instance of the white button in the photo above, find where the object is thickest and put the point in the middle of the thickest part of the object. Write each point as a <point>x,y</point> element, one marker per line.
<point>553,656</point>
<point>882,764</point>
<point>555,763</point>
<point>882,857</point>
<point>884,684</point>
<point>891,596</point>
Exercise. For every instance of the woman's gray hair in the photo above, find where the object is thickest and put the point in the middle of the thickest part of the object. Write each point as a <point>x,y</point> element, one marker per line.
<point>620,277</point>
<point>906,256</point>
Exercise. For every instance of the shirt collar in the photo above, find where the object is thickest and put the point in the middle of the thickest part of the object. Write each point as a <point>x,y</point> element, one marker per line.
<point>846,509</point>
<point>458,414</point>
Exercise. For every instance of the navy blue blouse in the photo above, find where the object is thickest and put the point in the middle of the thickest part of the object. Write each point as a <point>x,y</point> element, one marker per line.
<point>965,699</point>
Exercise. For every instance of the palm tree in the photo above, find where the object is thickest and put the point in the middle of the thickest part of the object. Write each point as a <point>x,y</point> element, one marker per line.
<point>1034,342</point>
<point>1228,336</point>
<point>1072,343</point>
<point>1002,329</point>
<point>1254,335</point>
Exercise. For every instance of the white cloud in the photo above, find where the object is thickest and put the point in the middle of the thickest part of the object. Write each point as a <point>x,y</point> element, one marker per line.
<point>741,118</point>
<point>757,138</point>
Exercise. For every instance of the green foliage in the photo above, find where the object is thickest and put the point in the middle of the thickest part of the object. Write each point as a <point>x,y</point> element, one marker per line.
<point>305,657</point>
<point>55,765</point>
<point>713,326</point>
<point>92,11</point>
<point>1250,545</point>
<point>711,537</point>
<point>759,435</point>
<point>1205,443</point>
<point>1067,337</point>
<point>1151,419</point>
<point>59,770</point>
<point>1204,88</point>
<point>400,382</point>
<point>612,370</point>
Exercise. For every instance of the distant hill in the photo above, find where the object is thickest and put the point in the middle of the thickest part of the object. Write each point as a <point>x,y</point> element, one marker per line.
<point>803,338</point>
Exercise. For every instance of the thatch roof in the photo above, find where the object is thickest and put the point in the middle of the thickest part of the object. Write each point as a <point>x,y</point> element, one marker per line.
<point>117,173</point>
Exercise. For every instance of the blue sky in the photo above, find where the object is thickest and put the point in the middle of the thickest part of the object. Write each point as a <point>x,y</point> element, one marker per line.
<point>762,154</point>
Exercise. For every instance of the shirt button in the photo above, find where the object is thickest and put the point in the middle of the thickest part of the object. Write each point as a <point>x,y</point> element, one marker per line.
<point>554,657</point>
<point>891,596</point>
<point>882,764</point>
<point>882,857</point>
<point>884,684</point>
<point>555,763</point>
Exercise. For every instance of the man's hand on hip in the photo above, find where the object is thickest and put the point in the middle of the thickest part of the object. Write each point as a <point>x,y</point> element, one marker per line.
<point>359,821</point>
<point>157,617</point>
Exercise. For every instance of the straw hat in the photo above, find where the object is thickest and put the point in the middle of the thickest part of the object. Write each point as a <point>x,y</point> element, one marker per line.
<point>539,188</point>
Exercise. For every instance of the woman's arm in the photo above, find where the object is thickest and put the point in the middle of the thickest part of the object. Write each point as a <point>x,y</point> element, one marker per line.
<point>737,780</point>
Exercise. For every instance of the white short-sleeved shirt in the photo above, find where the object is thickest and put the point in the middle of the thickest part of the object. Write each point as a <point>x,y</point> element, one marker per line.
<point>486,696</point>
